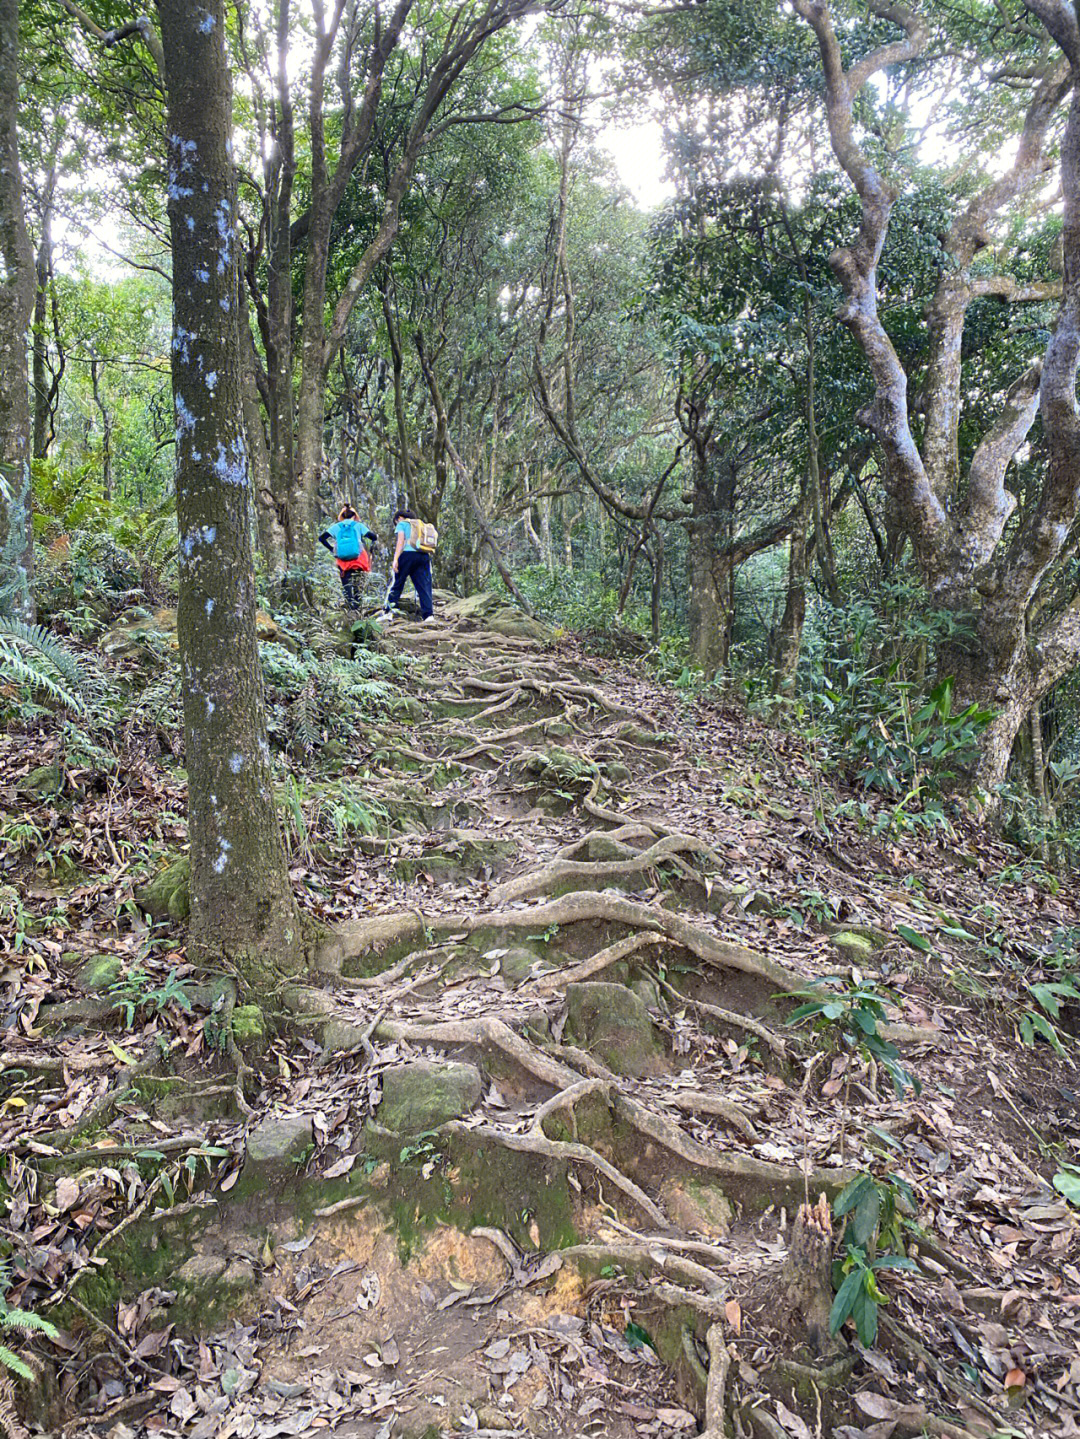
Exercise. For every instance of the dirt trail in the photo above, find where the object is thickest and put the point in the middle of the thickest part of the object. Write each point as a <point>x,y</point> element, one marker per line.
<point>561,1129</point>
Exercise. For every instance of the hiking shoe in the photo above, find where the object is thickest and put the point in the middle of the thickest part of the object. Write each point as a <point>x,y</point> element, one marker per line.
<point>385,617</point>
<point>428,620</point>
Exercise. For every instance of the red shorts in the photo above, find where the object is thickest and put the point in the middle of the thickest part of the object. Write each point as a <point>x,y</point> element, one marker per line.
<point>362,562</point>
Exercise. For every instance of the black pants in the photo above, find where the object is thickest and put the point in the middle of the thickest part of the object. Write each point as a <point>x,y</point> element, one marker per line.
<point>351,586</point>
<point>413,565</point>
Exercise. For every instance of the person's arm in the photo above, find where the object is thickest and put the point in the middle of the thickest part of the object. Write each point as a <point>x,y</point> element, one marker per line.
<point>326,539</point>
<point>370,537</point>
<point>398,549</point>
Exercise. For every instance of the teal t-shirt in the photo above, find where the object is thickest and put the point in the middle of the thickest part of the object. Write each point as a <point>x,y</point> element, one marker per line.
<point>361,529</point>
<point>404,527</point>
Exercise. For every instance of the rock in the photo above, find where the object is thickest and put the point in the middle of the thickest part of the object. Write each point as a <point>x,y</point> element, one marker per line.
<point>699,1206</point>
<point>854,948</point>
<point>266,627</point>
<point>91,1009</point>
<point>515,624</point>
<point>168,894</point>
<point>239,1274</point>
<point>137,630</point>
<point>519,964</point>
<point>605,849</point>
<point>339,1036</point>
<point>473,607</point>
<point>648,991</point>
<point>276,1146</point>
<point>611,1022</point>
<point>249,1028</point>
<point>201,1269</point>
<point>99,974</point>
<point>44,782</point>
<point>424,1094</point>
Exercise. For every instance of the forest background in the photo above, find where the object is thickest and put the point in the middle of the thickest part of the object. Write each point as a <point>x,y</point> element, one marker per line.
<point>804,431</point>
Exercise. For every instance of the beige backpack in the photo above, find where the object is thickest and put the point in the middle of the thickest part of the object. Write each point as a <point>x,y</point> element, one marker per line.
<point>425,537</point>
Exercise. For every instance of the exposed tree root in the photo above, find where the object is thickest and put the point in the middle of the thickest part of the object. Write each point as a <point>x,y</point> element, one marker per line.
<point>587,873</point>
<point>566,1099</point>
<point>652,1260</point>
<point>567,1152</point>
<point>784,1181</point>
<point>716,1422</point>
<point>694,1101</point>
<point>360,937</point>
<point>726,1016</point>
<point>103,1108</point>
<point>616,837</point>
<point>588,968</point>
<point>487,1032</point>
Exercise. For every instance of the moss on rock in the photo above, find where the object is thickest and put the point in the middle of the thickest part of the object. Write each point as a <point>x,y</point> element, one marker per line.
<point>423,1094</point>
<point>611,1022</point>
<point>168,894</point>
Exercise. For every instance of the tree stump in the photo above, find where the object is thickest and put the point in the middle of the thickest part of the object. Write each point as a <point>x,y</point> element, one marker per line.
<point>806,1278</point>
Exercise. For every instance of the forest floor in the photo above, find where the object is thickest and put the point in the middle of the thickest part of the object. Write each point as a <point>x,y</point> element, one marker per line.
<point>524,1153</point>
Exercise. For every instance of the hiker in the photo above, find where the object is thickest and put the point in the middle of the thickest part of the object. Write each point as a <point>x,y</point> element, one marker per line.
<point>414,545</point>
<point>346,540</point>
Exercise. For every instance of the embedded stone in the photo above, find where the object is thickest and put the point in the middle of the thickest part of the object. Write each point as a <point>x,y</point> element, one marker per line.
<point>612,1022</point>
<point>201,1269</point>
<point>423,1094</point>
<point>44,782</point>
<point>275,1143</point>
<point>99,974</point>
<point>698,1206</point>
<point>168,894</point>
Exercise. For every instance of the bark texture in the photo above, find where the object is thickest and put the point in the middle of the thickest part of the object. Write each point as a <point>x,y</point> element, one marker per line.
<point>17,282</point>
<point>242,908</point>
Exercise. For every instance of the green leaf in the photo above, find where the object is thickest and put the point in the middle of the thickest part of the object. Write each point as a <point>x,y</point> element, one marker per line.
<point>867,1213</point>
<point>1041,1025</point>
<point>914,938</point>
<point>10,1360</point>
<point>845,1300</point>
<point>864,1312</point>
<point>1067,1182</point>
<point>637,1337</point>
<point>851,1194</point>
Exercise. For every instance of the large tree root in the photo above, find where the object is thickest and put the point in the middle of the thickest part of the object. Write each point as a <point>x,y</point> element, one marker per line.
<point>359,937</point>
<point>484,1033</point>
<point>566,1152</point>
<point>725,1016</point>
<point>555,980</point>
<point>597,873</point>
<point>652,1260</point>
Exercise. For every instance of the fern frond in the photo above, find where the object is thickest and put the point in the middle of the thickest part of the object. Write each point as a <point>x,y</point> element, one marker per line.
<point>10,1360</point>
<point>9,1419</point>
<point>28,1322</point>
<point>32,656</point>
<point>14,669</point>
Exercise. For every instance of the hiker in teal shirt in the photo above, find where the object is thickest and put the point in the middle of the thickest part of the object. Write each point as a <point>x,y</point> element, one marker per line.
<point>410,563</point>
<point>346,540</point>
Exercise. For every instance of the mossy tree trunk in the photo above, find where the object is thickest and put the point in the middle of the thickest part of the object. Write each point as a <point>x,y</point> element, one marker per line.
<point>16,305</point>
<point>243,913</point>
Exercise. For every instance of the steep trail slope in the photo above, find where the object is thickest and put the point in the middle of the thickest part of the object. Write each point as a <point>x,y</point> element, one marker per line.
<point>537,1108</point>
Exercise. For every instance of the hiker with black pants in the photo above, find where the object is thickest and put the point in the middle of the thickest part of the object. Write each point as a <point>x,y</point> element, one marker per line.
<point>346,540</point>
<point>411,562</point>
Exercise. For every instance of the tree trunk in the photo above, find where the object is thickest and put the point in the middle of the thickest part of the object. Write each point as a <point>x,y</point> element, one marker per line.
<point>16,306</point>
<point>269,513</point>
<point>44,392</point>
<point>106,430</point>
<point>242,909</point>
<point>789,635</point>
